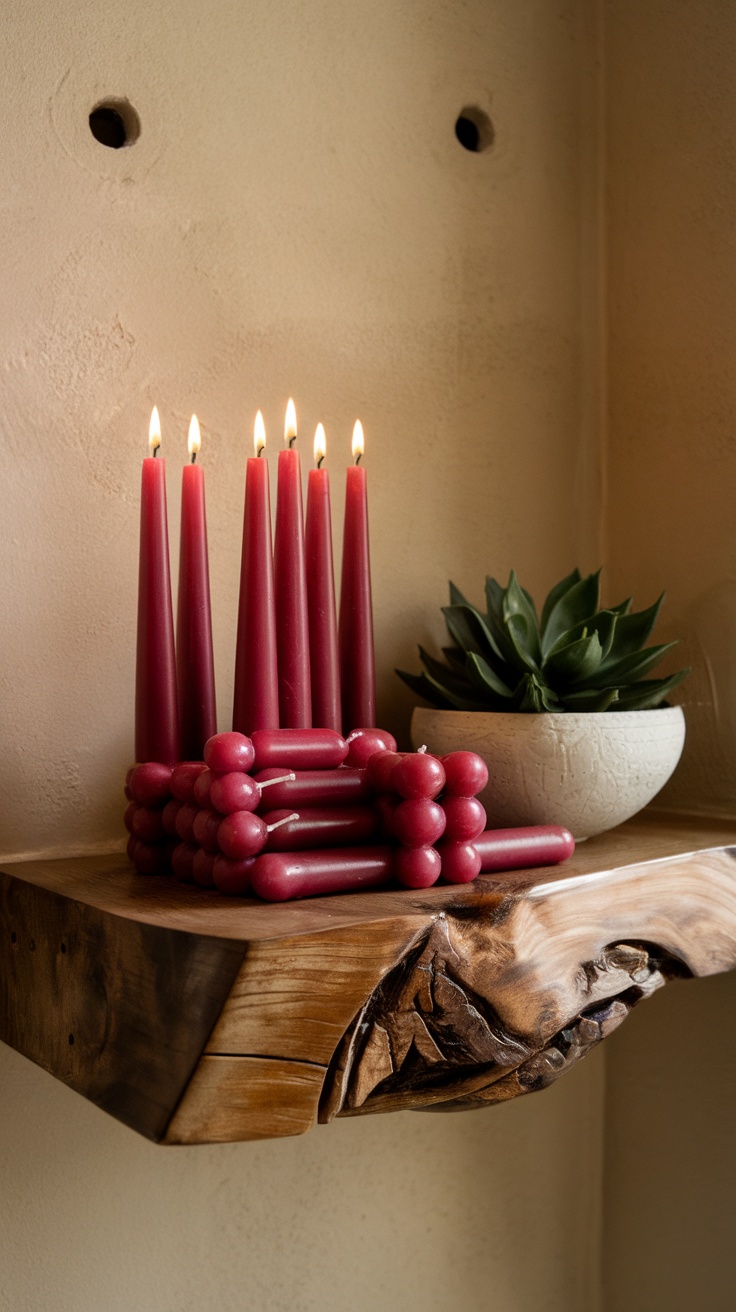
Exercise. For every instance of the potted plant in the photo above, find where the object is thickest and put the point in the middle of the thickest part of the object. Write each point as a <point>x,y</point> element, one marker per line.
<point>558,704</point>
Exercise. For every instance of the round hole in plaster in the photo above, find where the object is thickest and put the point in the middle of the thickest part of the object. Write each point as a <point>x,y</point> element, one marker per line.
<point>474,129</point>
<point>114,123</point>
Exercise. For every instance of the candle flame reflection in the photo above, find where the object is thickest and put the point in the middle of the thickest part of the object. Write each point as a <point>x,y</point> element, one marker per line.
<point>358,442</point>
<point>154,432</point>
<point>195,437</point>
<point>259,434</point>
<point>320,445</point>
<point>290,423</point>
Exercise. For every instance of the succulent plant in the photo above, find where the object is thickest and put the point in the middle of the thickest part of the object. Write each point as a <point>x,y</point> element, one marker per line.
<point>574,657</point>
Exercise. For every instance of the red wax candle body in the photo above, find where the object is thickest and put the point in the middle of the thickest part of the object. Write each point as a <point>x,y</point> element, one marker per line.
<point>256,698</point>
<point>357,658</point>
<point>321,826</point>
<point>156,711</point>
<point>323,654</point>
<point>299,749</point>
<point>194,657</point>
<point>515,849</point>
<point>342,787</point>
<point>295,694</point>
<point>278,876</point>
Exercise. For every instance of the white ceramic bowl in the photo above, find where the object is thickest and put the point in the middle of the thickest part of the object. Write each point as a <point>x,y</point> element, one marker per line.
<point>588,772</point>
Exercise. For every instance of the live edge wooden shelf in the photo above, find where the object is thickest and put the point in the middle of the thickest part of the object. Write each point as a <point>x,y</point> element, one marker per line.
<point>194,1018</point>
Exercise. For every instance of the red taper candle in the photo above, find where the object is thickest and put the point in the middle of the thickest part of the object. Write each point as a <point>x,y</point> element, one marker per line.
<point>357,659</point>
<point>292,625</point>
<point>195,664</point>
<point>323,654</point>
<point>156,712</point>
<point>256,698</point>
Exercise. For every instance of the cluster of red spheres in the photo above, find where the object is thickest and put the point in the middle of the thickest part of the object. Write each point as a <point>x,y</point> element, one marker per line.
<point>428,805</point>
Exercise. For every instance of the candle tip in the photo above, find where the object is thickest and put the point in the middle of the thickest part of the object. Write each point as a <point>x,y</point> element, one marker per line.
<point>259,434</point>
<point>320,445</point>
<point>154,432</point>
<point>358,442</point>
<point>290,423</point>
<point>195,438</point>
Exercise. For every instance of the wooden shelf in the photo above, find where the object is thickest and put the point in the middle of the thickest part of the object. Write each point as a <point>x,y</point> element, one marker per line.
<point>194,1018</point>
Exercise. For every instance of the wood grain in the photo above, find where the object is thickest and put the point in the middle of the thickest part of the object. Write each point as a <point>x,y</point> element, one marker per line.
<point>234,1098</point>
<point>197,1018</point>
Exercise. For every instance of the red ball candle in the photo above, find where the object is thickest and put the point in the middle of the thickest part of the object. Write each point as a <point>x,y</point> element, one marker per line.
<point>156,709</point>
<point>195,663</point>
<point>256,696</point>
<point>292,624</point>
<point>357,658</point>
<point>323,654</point>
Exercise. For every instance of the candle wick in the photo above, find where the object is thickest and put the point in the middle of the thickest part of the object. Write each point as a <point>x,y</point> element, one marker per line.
<point>156,450</point>
<point>357,458</point>
<point>260,451</point>
<point>194,457</point>
<point>319,462</point>
<point>292,440</point>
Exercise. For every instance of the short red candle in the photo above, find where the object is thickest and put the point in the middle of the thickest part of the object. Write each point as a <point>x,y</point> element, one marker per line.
<point>292,625</point>
<point>195,663</point>
<point>156,712</point>
<point>357,659</point>
<point>325,667</point>
<point>256,698</point>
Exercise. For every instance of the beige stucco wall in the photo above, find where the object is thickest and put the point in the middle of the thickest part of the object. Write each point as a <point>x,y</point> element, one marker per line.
<point>671,1146</point>
<point>297,217</point>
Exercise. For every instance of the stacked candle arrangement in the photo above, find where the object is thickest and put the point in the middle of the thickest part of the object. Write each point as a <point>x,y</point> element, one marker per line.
<point>284,805</point>
<point>293,813</point>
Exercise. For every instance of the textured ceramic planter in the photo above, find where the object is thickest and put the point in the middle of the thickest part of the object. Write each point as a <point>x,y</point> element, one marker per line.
<point>588,772</point>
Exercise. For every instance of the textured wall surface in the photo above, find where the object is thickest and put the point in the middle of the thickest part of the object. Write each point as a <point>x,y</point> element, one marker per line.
<point>296,217</point>
<point>671,201</point>
<point>671,1144</point>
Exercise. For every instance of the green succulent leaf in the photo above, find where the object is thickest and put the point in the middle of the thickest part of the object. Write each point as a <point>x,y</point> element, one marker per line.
<point>455,658</point>
<point>574,663</point>
<point>456,596</point>
<point>632,668</point>
<point>633,631</point>
<point>438,696</point>
<point>592,699</point>
<point>573,607</point>
<point>531,696</point>
<point>486,677</point>
<point>494,598</point>
<point>603,623</point>
<point>468,629</point>
<point>623,607</point>
<point>419,683</point>
<point>648,694</point>
<point>556,593</point>
<point>518,604</point>
<point>452,680</point>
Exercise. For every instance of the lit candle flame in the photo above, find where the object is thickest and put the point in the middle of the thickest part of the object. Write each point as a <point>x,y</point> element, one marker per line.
<point>358,442</point>
<point>195,438</point>
<point>290,423</point>
<point>154,432</point>
<point>259,435</point>
<point>320,445</point>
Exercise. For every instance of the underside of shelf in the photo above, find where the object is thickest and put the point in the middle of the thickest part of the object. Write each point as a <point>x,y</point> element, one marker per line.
<point>194,1018</point>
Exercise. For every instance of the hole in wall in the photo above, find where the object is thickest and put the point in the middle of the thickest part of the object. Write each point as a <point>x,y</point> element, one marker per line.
<point>115,123</point>
<point>13,937</point>
<point>474,129</point>
<point>71,1040</point>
